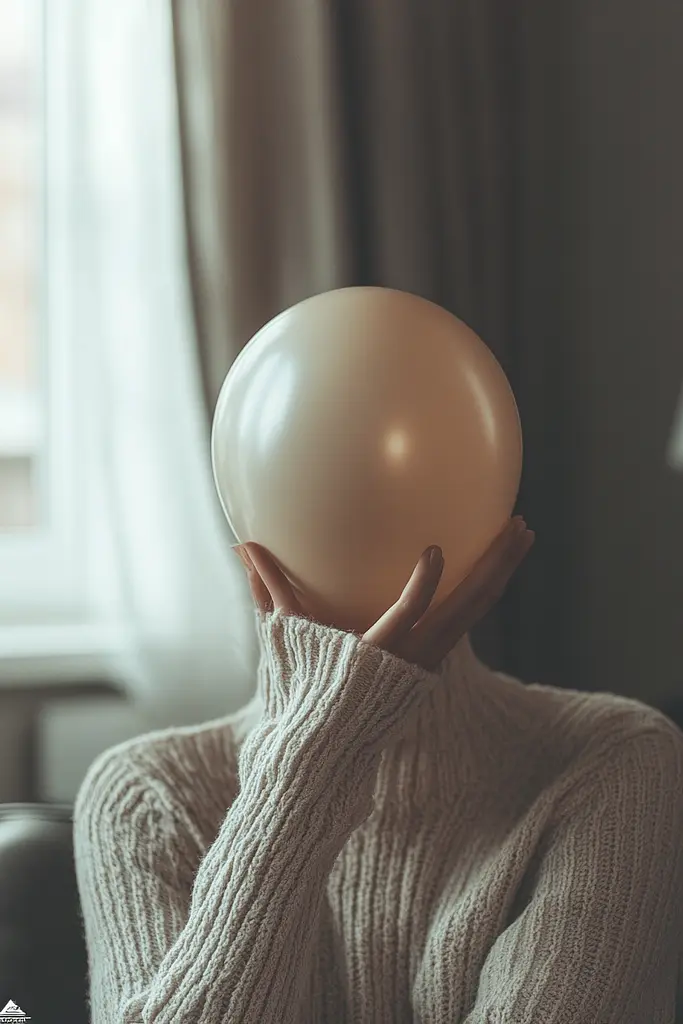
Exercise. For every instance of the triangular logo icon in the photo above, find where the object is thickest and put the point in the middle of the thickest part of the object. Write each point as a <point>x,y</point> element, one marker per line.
<point>12,1013</point>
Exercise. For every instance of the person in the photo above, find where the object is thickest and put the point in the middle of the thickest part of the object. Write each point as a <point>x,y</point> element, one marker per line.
<point>389,831</point>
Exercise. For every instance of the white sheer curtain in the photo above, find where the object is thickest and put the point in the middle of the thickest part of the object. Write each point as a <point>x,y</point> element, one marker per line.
<point>186,604</point>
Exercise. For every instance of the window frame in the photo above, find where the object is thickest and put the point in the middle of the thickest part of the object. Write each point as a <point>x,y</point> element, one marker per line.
<point>39,568</point>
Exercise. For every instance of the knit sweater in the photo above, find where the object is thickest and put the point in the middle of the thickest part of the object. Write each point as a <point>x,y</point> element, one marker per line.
<point>369,842</point>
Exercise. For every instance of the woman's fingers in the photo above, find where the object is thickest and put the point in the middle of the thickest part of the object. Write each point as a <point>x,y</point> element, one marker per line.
<point>259,591</point>
<point>269,586</point>
<point>279,587</point>
<point>441,629</point>
<point>417,595</point>
<point>486,581</point>
<point>435,649</point>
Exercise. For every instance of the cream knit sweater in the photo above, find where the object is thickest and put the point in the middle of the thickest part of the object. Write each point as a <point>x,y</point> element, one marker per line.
<point>371,843</point>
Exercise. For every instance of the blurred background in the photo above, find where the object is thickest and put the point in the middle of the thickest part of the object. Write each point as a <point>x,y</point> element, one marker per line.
<point>172,175</point>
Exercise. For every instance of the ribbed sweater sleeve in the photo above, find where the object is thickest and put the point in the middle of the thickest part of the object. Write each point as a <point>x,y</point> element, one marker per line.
<point>599,938</point>
<point>233,944</point>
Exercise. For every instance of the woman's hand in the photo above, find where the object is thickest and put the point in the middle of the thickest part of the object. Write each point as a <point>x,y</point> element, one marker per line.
<point>409,629</point>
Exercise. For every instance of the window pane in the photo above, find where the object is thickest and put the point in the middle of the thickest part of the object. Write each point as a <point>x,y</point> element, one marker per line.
<point>21,218</point>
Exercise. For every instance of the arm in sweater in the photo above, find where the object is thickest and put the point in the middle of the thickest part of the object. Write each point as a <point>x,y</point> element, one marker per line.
<point>233,944</point>
<point>600,938</point>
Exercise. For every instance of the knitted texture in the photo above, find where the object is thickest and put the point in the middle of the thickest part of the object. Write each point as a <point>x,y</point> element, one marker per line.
<point>367,842</point>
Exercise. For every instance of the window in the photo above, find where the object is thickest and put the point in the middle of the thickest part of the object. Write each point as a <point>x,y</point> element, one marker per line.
<point>46,484</point>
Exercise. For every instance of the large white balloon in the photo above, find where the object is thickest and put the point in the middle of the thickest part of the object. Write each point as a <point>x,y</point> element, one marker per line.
<point>354,430</point>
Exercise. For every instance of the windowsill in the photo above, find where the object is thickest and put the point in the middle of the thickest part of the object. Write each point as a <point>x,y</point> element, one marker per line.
<point>59,654</point>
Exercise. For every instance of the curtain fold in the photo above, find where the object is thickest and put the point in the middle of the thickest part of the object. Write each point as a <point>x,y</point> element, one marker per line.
<point>265,193</point>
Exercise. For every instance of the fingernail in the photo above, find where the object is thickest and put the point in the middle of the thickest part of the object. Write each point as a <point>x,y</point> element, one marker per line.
<point>435,556</point>
<point>243,555</point>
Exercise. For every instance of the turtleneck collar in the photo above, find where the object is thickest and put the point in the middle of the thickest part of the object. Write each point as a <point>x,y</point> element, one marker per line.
<point>456,738</point>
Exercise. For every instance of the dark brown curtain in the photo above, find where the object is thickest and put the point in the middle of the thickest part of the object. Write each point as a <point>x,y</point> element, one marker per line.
<point>475,152</point>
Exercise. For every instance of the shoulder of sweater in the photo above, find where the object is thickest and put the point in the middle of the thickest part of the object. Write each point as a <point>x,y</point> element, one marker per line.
<point>625,748</point>
<point>581,738</point>
<point>596,720</point>
<point>633,792</point>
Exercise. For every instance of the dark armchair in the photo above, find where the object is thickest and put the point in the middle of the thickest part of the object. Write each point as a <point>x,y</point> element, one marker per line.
<point>43,963</point>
